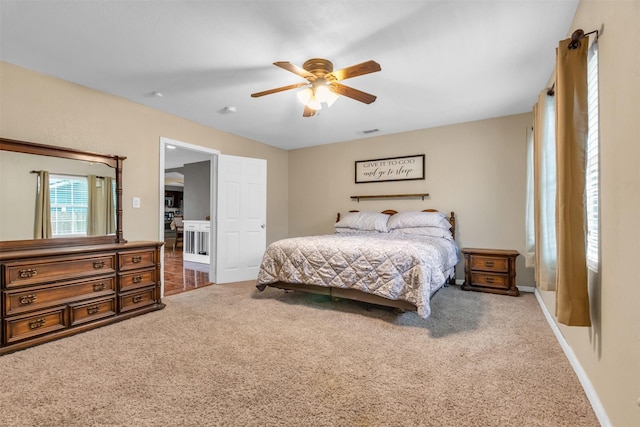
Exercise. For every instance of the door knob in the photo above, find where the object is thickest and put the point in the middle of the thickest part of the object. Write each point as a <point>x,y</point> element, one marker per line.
<point>262,226</point>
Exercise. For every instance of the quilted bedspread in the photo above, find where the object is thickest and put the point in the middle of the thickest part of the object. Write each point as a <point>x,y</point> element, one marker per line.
<point>410,268</point>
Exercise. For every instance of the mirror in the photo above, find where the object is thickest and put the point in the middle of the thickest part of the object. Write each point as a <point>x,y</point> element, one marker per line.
<point>19,163</point>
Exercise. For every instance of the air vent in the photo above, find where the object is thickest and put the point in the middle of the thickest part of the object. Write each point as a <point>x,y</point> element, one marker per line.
<point>371,131</point>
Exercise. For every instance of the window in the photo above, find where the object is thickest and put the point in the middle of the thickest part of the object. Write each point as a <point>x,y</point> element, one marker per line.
<point>69,200</point>
<point>592,181</point>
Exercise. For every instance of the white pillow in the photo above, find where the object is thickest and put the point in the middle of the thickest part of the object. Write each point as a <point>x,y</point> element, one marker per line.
<point>371,221</point>
<point>424,231</point>
<point>418,219</point>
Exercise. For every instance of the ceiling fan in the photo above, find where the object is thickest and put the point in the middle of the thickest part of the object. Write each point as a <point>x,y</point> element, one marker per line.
<point>322,83</point>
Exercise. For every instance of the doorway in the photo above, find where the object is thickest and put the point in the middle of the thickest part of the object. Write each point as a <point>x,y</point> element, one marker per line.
<point>231,224</point>
<point>176,158</point>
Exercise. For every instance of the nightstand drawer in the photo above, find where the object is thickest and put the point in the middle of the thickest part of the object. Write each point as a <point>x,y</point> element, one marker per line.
<point>500,281</point>
<point>487,263</point>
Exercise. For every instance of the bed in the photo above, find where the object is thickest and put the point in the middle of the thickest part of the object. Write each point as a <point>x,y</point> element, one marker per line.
<point>389,258</point>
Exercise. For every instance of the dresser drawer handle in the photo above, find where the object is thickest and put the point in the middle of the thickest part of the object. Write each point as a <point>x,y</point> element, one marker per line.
<point>93,309</point>
<point>29,272</point>
<point>489,279</point>
<point>98,264</point>
<point>97,287</point>
<point>136,259</point>
<point>27,299</point>
<point>38,323</point>
<point>488,263</point>
<point>136,279</point>
<point>136,299</point>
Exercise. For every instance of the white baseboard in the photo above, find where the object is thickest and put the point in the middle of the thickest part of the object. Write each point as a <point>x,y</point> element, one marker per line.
<point>577,367</point>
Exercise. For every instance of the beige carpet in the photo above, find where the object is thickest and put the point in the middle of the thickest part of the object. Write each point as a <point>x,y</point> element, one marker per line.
<point>228,355</point>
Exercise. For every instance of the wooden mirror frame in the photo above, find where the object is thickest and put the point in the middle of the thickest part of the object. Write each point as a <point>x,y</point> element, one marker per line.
<point>68,153</point>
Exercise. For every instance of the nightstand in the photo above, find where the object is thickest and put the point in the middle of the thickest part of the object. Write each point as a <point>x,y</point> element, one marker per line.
<point>490,270</point>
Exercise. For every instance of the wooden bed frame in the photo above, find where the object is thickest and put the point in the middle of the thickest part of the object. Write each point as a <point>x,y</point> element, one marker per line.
<point>356,295</point>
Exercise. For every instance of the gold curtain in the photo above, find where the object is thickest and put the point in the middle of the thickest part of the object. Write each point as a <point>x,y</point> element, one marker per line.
<point>109,206</point>
<point>544,191</point>
<point>94,217</point>
<point>42,228</point>
<point>101,216</point>
<point>572,299</point>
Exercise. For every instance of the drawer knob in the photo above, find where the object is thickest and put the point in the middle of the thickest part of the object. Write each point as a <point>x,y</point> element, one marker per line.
<point>489,279</point>
<point>38,323</point>
<point>136,299</point>
<point>136,279</point>
<point>136,259</point>
<point>97,287</point>
<point>29,272</point>
<point>488,263</point>
<point>27,299</point>
<point>93,309</point>
<point>98,264</point>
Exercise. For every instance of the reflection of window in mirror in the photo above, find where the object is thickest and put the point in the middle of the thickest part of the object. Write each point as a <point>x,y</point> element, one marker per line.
<point>72,204</point>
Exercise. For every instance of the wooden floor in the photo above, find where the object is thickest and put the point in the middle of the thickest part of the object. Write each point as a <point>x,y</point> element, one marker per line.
<point>180,276</point>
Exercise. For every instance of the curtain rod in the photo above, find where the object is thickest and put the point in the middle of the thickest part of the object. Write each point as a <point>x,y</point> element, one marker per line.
<point>66,174</point>
<point>577,35</point>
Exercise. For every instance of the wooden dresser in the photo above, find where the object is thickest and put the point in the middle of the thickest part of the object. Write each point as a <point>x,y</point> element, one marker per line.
<point>55,292</point>
<point>490,270</point>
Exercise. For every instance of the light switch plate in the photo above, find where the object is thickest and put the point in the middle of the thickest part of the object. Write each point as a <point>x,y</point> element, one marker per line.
<point>136,202</point>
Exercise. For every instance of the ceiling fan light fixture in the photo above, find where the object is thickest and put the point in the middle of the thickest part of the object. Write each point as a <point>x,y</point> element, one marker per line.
<point>314,104</point>
<point>308,98</point>
<point>305,95</point>
<point>323,85</point>
<point>324,95</point>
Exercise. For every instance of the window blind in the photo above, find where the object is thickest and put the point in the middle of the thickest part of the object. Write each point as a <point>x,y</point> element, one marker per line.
<point>69,200</point>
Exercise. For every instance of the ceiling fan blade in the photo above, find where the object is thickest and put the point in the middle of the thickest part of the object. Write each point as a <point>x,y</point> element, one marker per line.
<point>276,90</point>
<point>352,93</point>
<point>308,112</point>
<point>296,70</point>
<point>355,70</point>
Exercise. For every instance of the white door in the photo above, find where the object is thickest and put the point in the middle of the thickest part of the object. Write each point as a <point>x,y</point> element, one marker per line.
<point>241,218</point>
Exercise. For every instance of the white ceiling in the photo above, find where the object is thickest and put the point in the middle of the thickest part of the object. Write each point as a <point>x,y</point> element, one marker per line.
<point>442,62</point>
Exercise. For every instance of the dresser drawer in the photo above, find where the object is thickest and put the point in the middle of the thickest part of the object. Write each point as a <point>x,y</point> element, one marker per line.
<point>499,281</point>
<point>137,279</point>
<point>89,311</point>
<point>136,259</point>
<point>19,328</point>
<point>137,299</point>
<point>22,300</point>
<point>487,263</point>
<point>23,273</point>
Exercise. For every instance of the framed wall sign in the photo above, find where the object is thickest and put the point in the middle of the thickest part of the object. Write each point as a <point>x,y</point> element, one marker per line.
<point>405,168</point>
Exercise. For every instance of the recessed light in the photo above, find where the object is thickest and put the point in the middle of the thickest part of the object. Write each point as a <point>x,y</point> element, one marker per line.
<point>157,94</point>
<point>171,147</point>
<point>229,110</point>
